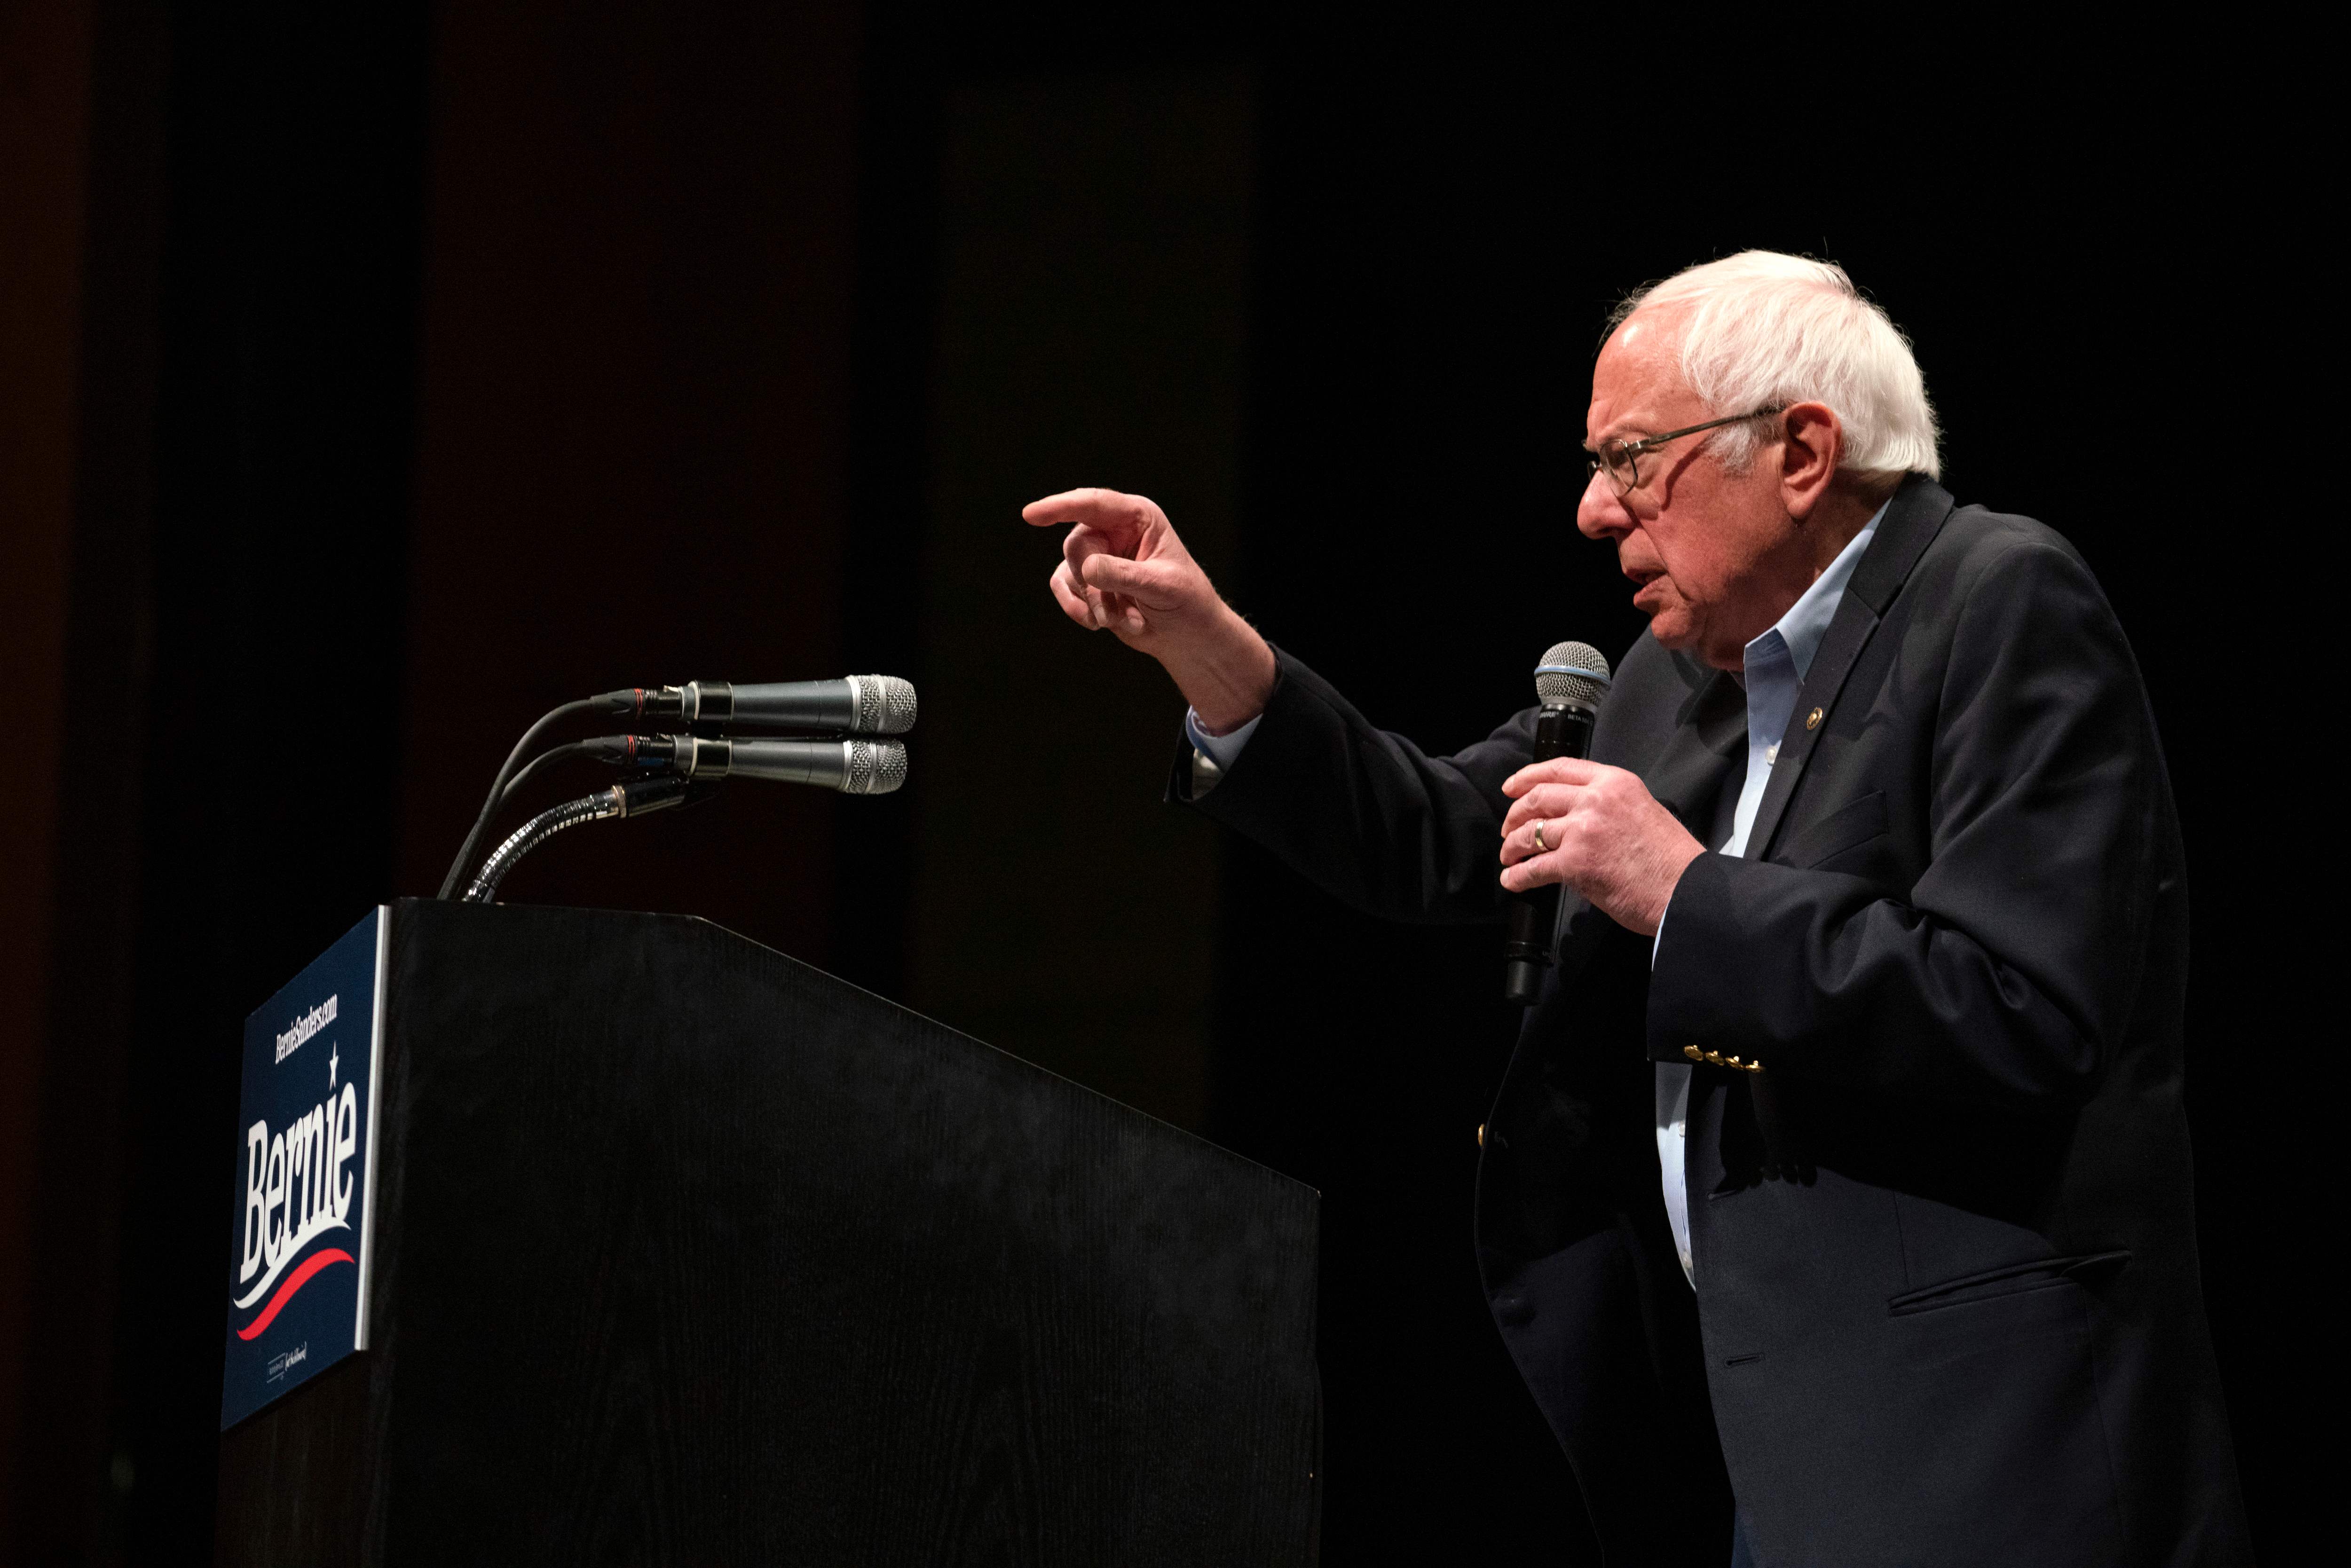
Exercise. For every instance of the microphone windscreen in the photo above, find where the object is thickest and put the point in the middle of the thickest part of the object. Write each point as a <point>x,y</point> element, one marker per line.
<point>876,767</point>
<point>885,705</point>
<point>1572,674</point>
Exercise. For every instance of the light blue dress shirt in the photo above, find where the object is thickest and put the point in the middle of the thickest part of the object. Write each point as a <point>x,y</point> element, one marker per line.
<point>1220,749</point>
<point>1775,667</point>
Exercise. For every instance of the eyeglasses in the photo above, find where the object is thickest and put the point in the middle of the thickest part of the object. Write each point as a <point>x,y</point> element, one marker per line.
<point>1619,457</point>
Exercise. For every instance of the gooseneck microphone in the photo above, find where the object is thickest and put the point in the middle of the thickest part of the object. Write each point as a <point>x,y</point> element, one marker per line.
<point>856,705</point>
<point>1568,683</point>
<point>851,767</point>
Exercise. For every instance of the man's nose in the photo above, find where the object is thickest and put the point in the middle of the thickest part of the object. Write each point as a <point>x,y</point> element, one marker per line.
<point>1601,514</point>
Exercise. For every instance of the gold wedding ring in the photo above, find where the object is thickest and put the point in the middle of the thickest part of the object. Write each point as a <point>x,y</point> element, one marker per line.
<point>1539,838</point>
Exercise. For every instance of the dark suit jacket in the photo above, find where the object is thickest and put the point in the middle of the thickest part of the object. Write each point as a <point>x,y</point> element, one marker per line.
<point>1946,1307</point>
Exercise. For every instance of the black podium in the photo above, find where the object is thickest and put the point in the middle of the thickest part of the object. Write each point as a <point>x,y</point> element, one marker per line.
<point>685,1253</point>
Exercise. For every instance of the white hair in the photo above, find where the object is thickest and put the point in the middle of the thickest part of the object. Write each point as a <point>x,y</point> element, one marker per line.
<point>1762,330</point>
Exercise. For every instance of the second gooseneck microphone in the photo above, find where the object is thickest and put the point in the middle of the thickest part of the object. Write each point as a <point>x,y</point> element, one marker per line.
<point>851,767</point>
<point>1568,683</point>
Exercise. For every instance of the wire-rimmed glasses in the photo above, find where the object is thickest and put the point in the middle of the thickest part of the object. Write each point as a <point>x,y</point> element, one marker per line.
<point>1621,458</point>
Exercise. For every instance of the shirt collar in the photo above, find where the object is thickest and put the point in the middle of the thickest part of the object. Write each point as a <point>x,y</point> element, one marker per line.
<point>1799,630</point>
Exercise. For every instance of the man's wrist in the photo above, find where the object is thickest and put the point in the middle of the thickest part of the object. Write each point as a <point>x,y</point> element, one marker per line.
<point>1657,920</point>
<point>1231,679</point>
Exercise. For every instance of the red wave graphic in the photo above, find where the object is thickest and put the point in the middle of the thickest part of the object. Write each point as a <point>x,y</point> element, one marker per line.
<point>294,1281</point>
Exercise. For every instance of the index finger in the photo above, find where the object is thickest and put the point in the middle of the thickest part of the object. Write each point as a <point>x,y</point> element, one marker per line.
<point>1557,770</point>
<point>1109,509</point>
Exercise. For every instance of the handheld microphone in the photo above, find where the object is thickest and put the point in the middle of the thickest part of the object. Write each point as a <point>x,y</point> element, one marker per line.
<point>857,705</point>
<point>1568,683</point>
<point>851,767</point>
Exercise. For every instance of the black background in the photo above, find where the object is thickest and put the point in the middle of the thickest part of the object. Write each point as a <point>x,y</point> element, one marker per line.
<point>300,654</point>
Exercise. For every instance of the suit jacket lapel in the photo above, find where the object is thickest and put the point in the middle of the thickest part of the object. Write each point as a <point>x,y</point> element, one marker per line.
<point>1911,523</point>
<point>1709,738</point>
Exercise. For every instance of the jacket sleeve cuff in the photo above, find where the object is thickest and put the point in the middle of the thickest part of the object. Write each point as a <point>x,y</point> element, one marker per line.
<point>1203,761</point>
<point>1685,981</point>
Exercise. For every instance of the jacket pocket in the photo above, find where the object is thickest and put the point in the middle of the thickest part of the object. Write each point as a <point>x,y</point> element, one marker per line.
<point>1848,826</point>
<point>2010,1280</point>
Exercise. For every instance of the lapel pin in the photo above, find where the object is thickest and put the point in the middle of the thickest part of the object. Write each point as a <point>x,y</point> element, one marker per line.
<point>1813,720</point>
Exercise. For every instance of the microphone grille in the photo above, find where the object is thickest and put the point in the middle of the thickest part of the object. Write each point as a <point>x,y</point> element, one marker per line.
<point>1572,674</point>
<point>885,705</point>
<point>876,767</point>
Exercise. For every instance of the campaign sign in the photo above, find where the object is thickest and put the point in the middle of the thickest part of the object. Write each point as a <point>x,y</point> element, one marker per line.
<point>298,1251</point>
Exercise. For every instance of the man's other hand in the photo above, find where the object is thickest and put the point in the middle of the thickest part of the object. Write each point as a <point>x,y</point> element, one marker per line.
<point>1602,834</point>
<point>1125,572</point>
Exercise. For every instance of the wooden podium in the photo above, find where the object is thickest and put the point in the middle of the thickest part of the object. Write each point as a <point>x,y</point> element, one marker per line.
<point>685,1253</point>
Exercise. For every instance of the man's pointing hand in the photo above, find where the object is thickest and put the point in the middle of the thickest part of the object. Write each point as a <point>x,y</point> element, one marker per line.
<point>1125,572</point>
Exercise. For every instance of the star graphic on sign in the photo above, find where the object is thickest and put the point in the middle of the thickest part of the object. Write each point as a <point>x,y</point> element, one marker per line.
<point>331,1055</point>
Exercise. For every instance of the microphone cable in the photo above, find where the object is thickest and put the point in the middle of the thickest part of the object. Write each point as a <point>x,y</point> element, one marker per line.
<point>498,789</point>
<point>522,776</point>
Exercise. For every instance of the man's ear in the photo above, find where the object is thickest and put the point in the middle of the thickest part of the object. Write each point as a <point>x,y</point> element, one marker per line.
<point>1812,444</point>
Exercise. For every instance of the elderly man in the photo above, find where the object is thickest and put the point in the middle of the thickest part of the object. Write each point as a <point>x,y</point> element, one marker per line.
<point>1840,1169</point>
